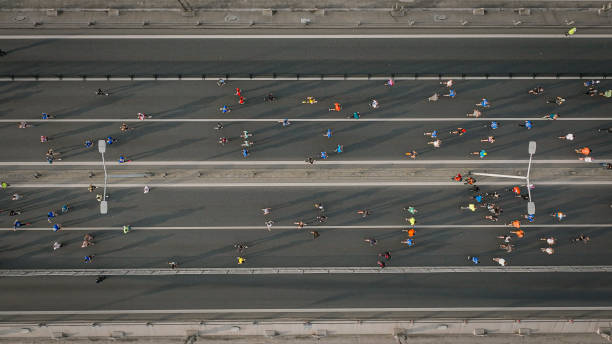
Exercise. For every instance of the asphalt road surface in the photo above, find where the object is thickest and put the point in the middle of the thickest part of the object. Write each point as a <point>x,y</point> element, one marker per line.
<point>180,140</point>
<point>303,56</point>
<point>257,292</point>
<point>293,247</point>
<point>239,207</point>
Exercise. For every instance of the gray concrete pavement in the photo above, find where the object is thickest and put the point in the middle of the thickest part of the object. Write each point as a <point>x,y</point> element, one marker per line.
<point>336,15</point>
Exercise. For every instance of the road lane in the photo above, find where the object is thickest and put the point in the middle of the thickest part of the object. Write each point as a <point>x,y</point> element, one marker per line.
<point>360,140</point>
<point>293,247</point>
<point>284,292</point>
<point>335,56</point>
<point>202,99</point>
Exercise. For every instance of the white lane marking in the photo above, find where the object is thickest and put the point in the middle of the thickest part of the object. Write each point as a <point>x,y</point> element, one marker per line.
<point>300,162</point>
<point>306,78</point>
<point>279,227</point>
<point>304,270</point>
<point>311,310</point>
<point>312,36</point>
<point>276,120</point>
<point>300,184</point>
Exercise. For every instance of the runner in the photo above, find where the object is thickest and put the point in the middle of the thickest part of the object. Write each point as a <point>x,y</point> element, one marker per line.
<point>433,134</point>
<point>300,224</point>
<point>328,133</point>
<point>363,212</point>
<point>482,153</point>
<point>526,124</point>
<point>225,109</point>
<point>411,220</point>
<point>475,260</point>
<point>483,103</point>
<point>549,240</point>
<point>266,211</point>
<point>536,91</point>
<point>507,247</point>
<point>514,223</point>
<point>386,255</point>
<point>500,261</point>
<point>584,151</point>
<point>411,232</point>
<point>529,217</point>
<point>408,242</point>
<point>448,83</point>
<point>519,233</point>
<point>50,215</point>
<point>476,114</point>
<point>412,210</point>
<point>370,241</point>
<point>412,155</point>
<point>451,94</point>
<point>559,215</point>
<point>489,139</point>
<point>336,107</point>
<point>435,143</point>
<point>582,238</point>
<point>458,131</point>
<point>315,234</point>
<point>567,137</point>
<point>557,100</point>
<point>551,116</point>
<point>269,224</point>
<point>548,250</point>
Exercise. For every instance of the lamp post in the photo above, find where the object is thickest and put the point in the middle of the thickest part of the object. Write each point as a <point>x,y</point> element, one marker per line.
<point>530,204</point>
<point>103,203</point>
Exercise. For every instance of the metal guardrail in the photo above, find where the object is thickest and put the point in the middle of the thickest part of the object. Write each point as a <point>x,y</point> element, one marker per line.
<point>305,270</point>
<point>303,77</point>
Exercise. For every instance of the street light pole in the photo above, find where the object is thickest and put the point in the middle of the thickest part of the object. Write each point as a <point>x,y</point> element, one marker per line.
<point>103,203</point>
<point>531,204</point>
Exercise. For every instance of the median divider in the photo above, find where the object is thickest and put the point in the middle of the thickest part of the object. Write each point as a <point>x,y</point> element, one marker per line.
<point>306,270</point>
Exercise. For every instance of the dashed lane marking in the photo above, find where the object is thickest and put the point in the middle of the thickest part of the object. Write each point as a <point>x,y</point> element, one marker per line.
<point>279,227</point>
<point>276,120</point>
<point>305,270</point>
<point>312,36</point>
<point>302,162</point>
